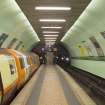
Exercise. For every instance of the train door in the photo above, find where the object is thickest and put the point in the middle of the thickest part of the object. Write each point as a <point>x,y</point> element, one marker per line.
<point>27,67</point>
<point>1,90</point>
<point>24,64</point>
<point>9,77</point>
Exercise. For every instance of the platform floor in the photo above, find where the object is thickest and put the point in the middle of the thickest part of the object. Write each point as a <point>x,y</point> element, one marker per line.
<point>52,88</point>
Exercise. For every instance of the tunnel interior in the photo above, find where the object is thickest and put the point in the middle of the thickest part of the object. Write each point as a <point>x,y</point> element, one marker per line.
<point>76,37</point>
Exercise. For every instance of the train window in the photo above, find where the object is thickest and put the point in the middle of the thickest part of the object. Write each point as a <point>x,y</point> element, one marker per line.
<point>28,61</point>
<point>22,63</point>
<point>33,59</point>
<point>12,69</point>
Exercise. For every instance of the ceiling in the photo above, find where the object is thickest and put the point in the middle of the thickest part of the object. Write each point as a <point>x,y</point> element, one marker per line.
<point>28,7</point>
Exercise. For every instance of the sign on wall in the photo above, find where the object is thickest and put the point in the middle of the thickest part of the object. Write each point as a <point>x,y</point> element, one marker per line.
<point>103,34</point>
<point>3,37</point>
<point>12,43</point>
<point>97,46</point>
<point>82,50</point>
<point>18,45</point>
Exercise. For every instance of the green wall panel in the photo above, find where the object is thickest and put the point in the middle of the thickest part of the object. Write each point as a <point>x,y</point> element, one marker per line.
<point>14,23</point>
<point>90,23</point>
<point>94,67</point>
<point>84,39</point>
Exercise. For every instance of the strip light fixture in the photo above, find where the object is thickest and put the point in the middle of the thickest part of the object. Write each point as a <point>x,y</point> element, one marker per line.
<point>50,43</point>
<point>52,20</point>
<point>43,27</point>
<point>51,35</point>
<point>49,38</point>
<point>53,8</point>
<point>50,32</point>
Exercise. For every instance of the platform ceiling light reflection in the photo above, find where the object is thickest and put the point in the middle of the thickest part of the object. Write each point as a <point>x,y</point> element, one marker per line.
<point>52,20</point>
<point>50,32</point>
<point>53,8</point>
<point>43,27</point>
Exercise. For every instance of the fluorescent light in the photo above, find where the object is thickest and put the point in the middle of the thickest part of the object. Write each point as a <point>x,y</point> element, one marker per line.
<point>52,20</point>
<point>43,27</point>
<point>50,32</point>
<point>50,43</point>
<point>51,35</point>
<point>53,8</point>
<point>49,38</point>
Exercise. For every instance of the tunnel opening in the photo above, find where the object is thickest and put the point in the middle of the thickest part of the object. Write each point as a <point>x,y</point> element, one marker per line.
<point>61,55</point>
<point>92,84</point>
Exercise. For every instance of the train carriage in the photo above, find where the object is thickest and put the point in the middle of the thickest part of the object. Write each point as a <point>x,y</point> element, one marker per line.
<point>8,78</point>
<point>34,61</point>
<point>22,65</point>
<point>16,69</point>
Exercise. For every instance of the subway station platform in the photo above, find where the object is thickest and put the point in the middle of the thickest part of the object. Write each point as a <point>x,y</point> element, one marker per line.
<point>60,44</point>
<point>51,85</point>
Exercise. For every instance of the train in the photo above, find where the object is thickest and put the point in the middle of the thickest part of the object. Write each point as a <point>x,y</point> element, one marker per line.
<point>16,69</point>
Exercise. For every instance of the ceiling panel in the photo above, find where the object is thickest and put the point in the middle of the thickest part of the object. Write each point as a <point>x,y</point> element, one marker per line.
<point>28,7</point>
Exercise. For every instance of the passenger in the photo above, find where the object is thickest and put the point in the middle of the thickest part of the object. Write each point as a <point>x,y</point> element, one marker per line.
<point>41,60</point>
<point>55,59</point>
<point>44,59</point>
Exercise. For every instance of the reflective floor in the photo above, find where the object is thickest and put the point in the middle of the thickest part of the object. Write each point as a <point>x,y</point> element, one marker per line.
<point>52,88</point>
